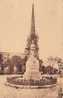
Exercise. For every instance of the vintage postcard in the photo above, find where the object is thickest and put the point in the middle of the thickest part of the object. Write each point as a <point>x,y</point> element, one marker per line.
<point>31,49</point>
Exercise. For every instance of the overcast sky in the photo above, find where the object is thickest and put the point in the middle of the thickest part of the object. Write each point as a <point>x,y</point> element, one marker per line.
<point>15,22</point>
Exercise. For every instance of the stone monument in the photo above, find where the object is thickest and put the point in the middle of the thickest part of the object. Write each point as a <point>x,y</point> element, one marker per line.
<point>32,64</point>
<point>32,77</point>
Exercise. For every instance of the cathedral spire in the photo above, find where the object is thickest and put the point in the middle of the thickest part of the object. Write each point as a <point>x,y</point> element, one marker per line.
<point>33,20</point>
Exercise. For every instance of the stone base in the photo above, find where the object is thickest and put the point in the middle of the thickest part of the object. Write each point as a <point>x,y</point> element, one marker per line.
<point>19,82</point>
<point>32,75</point>
<point>30,86</point>
<point>32,69</point>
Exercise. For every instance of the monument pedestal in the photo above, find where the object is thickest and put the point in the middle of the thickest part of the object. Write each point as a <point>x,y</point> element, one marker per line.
<point>32,69</point>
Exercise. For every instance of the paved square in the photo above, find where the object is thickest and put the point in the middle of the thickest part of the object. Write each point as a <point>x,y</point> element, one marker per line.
<point>9,92</point>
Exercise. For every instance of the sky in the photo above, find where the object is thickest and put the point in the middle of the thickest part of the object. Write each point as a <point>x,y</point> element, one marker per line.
<point>15,24</point>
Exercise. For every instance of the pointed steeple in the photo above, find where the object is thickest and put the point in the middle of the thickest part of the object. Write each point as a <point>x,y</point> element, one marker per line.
<point>33,37</point>
<point>33,20</point>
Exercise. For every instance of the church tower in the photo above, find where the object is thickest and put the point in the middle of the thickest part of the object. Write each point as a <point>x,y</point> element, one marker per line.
<point>32,41</point>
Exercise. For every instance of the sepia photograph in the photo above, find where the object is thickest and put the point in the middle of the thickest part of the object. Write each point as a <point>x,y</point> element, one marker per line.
<point>31,48</point>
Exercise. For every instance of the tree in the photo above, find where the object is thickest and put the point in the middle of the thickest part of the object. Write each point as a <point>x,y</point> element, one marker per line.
<point>1,63</point>
<point>18,62</point>
<point>10,66</point>
<point>52,66</point>
<point>60,63</point>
